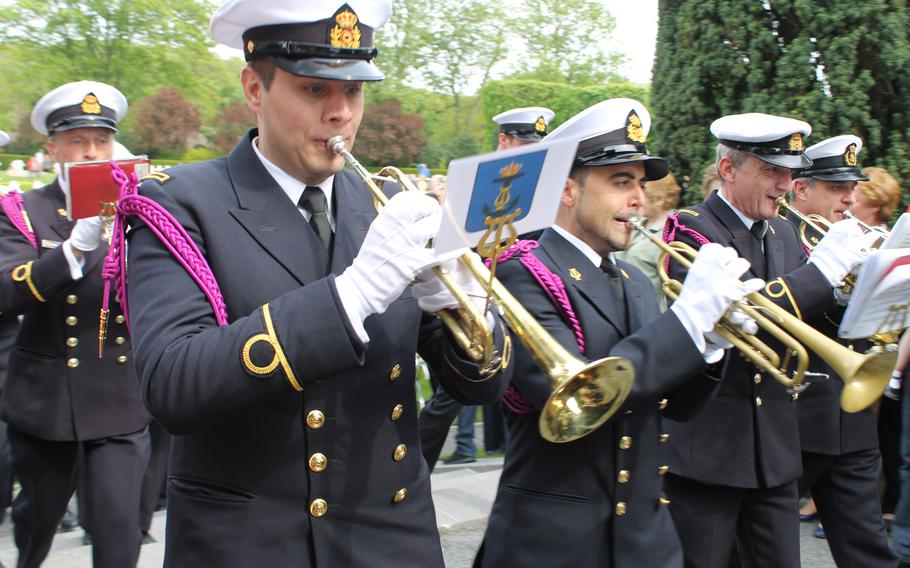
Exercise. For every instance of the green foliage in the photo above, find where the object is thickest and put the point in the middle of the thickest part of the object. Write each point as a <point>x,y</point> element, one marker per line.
<point>200,154</point>
<point>715,58</point>
<point>565,100</point>
<point>562,42</point>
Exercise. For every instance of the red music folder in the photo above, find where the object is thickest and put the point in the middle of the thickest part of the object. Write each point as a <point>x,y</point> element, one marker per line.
<point>91,185</point>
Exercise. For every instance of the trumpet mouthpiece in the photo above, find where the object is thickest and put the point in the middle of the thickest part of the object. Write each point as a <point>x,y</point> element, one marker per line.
<point>636,222</point>
<point>336,144</point>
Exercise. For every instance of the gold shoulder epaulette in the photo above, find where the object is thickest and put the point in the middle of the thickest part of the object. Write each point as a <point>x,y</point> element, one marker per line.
<point>689,211</point>
<point>160,177</point>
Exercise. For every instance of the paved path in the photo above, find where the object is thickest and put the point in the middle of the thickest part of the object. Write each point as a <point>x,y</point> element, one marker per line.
<point>463,495</point>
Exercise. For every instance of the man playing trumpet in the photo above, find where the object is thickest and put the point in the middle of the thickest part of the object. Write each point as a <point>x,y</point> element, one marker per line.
<point>840,450</point>
<point>596,501</point>
<point>295,422</point>
<point>734,467</point>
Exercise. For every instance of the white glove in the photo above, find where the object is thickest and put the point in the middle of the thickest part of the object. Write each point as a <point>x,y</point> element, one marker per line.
<point>86,235</point>
<point>842,249</point>
<point>711,286</point>
<point>393,252</point>
<point>716,344</point>
<point>432,295</point>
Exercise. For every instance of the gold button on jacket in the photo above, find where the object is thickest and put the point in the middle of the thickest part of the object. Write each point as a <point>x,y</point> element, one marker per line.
<point>71,299</point>
<point>625,442</point>
<point>621,509</point>
<point>315,419</point>
<point>318,507</point>
<point>623,476</point>
<point>400,452</point>
<point>397,411</point>
<point>318,461</point>
<point>400,495</point>
<point>73,363</point>
<point>395,372</point>
<point>71,321</point>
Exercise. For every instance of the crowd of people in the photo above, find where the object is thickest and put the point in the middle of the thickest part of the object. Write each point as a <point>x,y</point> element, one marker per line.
<point>259,359</point>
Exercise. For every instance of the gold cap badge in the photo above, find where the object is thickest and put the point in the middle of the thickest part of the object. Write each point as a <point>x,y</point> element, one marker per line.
<point>345,33</point>
<point>540,126</point>
<point>796,142</point>
<point>634,131</point>
<point>90,104</point>
<point>850,155</point>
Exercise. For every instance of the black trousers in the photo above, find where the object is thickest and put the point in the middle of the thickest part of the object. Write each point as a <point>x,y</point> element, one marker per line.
<point>889,442</point>
<point>761,525</point>
<point>112,469</point>
<point>434,421</point>
<point>155,474</point>
<point>845,489</point>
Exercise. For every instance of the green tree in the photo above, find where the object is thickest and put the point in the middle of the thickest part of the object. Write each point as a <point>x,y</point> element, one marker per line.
<point>563,42</point>
<point>843,68</point>
<point>162,125</point>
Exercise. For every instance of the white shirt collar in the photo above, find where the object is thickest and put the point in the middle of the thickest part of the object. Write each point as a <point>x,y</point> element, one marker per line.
<point>292,186</point>
<point>584,247</point>
<point>747,221</point>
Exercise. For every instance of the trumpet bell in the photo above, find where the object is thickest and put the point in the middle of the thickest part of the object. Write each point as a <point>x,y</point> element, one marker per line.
<point>866,385</point>
<point>590,395</point>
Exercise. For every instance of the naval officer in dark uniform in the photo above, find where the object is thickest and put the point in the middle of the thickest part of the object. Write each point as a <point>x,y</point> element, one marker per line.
<point>295,423</point>
<point>840,450</point>
<point>734,467</point>
<point>597,501</point>
<point>60,399</point>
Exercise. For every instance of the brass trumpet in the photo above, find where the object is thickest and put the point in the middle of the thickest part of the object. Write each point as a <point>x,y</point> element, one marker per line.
<point>865,376</point>
<point>585,395</point>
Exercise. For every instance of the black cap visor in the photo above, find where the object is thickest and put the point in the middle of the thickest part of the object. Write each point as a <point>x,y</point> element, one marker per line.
<point>333,69</point>
<point>84,121</point>
<point>655,167</point>
<point>789,161</point>
<point>833,174</point>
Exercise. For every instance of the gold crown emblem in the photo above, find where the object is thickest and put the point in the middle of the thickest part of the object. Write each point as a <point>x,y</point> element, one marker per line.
<point>345,33</point>
<point>90,104</point>
<point>634,131</point>
<point>541,125</point>
<point>510,170</point>
<point>850,155</point>
<point>796,142</point>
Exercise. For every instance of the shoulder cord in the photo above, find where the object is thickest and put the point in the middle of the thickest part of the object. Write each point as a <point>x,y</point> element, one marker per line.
<point>556,290</point>
<point>171,234</point>
<point>14,206</point>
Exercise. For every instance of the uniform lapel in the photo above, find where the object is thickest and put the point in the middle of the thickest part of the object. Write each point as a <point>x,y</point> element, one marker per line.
<point>577,270</point>
<point>774,252</point>
<point>60,225</point>
<point>271,219</point>
<point>354,211</point>
<point>633,300</point>
<point>740,237</point>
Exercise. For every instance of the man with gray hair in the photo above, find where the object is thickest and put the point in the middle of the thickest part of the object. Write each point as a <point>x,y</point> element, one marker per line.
<point>734,467</point>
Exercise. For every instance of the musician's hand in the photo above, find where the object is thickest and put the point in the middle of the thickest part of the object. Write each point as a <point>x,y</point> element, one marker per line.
<point>393,252</point>
<point>432,295</point>
<point>843,248</point>
<point>86,235</point>
<point>711,286</point>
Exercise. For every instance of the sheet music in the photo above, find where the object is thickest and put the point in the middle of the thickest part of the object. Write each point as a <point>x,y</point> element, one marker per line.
<point>880,301</point>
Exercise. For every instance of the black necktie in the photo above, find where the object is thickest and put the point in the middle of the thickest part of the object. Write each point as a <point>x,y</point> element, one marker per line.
<point>759,228</point>
<point>313,202</point>
<point>613,275</point>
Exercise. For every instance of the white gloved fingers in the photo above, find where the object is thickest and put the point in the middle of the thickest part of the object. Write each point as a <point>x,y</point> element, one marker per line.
<point>716,341</point>
<point>867,241</point>
<point>86,234</point>
<point>753,285</point>
<point>737,267</point>
<point>408,207</point>
<point>742,321</point>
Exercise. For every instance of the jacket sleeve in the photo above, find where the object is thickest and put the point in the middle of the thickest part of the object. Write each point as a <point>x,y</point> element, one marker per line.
<point>192,369</point>
<point>648,349</point>
<point>28,279</point>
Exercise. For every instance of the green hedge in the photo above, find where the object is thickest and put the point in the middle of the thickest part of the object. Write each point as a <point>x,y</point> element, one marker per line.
<point>7,158</point>
<point>565,100</point>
